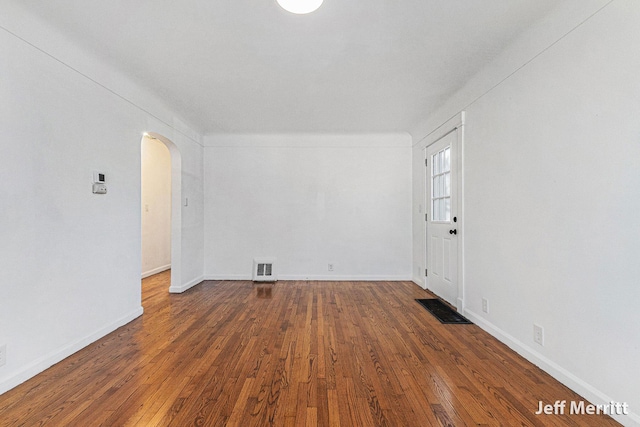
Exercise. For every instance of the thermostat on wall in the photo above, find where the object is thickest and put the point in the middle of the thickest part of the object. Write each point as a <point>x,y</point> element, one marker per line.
<point>99,186</point>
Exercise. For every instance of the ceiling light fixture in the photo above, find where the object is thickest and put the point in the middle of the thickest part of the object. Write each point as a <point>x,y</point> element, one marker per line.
<point>300,7</point>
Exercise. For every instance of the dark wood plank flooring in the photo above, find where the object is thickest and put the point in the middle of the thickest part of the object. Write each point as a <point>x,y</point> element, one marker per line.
<point>290,354</point>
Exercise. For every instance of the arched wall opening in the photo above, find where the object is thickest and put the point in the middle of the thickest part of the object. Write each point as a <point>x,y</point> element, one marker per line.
<point>161,207</point>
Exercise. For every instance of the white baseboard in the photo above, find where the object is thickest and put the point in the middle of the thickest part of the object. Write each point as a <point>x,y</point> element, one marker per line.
<point>45,362</point>
<point>228,277</point>
<point>418,281</point>
<point>156,271</point>
<point>322,278</point>
<point>180,289</point>
<point>346,278</point>
<point>576,384</point>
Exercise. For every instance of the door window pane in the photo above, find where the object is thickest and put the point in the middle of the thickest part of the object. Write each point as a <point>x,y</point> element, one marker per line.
<point>447,185</point>
<point>447,160</point>
<point>441,185</point>
<point>447,209</point>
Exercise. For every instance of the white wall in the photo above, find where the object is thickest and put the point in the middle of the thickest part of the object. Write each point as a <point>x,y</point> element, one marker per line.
<point>70,260</point>
<point>552,199</point>
<point>309,200</point>
<point>156,207</point>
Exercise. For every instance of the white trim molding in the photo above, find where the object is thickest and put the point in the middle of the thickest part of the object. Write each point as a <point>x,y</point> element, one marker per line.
<point>186,286</point>
<point>45,362</point>
<point>321,278</point>
<point>348,278</point>
<point>156,271</point>
<point>561,374</point>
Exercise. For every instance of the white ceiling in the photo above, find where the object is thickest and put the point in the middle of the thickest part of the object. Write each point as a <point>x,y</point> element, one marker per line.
<point>249,66</point>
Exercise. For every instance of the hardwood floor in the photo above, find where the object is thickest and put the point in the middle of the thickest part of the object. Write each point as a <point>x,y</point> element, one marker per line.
<point>290,354</point>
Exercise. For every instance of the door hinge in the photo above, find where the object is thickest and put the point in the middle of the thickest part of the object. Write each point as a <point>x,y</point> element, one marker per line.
<point>426,272</point>
<point>426,217</point>
<point>426,162</point>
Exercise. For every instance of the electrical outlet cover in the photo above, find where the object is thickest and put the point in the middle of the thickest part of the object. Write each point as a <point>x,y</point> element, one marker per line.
<point>538,334</point>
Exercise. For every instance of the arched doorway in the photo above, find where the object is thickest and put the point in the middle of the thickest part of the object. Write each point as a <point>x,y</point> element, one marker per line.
<point>161,210</point>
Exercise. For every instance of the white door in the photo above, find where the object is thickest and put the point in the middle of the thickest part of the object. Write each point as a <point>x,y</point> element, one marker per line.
<point>442,233</point>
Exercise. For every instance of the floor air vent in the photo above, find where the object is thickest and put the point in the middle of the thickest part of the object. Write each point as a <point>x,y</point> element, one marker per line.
<point>264,270</point>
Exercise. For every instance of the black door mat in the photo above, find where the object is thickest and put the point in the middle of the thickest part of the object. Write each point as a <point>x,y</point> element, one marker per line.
<point>443,312</point>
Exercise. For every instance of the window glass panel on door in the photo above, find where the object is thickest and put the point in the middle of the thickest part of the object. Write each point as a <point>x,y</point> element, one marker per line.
<point>441,185</point>
<point>447,160</point>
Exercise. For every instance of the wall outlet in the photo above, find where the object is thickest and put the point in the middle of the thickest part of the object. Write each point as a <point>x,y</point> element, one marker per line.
<point>330,267</point>
<point>3,354</point>
<point>485,305</point>
<point>538,334</point>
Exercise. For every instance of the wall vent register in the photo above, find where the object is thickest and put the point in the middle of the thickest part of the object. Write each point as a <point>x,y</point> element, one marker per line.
<point>264,270</point>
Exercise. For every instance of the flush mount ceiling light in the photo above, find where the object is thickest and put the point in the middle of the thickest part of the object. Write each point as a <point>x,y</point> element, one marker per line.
<point>300,7</point>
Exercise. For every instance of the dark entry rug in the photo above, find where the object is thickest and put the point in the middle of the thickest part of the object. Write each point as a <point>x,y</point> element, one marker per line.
<point>443,312</point>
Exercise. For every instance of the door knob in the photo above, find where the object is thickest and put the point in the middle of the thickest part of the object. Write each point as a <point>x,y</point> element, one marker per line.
<point>454,231</point>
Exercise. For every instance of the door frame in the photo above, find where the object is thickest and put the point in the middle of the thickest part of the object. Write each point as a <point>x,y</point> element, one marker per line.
<point>176,211</point>
<point>455,124</point>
